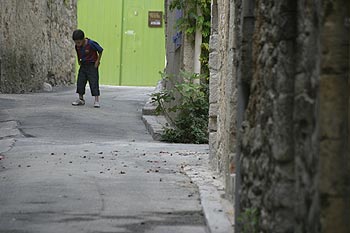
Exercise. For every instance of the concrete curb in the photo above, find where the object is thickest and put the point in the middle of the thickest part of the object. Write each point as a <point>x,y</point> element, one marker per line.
<point>218,212</point>
<point>154,123</point>
<point>155,126</point>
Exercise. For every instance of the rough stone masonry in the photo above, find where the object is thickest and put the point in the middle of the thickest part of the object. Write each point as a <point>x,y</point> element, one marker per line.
<point>279,116</point>
<point>35,44</point>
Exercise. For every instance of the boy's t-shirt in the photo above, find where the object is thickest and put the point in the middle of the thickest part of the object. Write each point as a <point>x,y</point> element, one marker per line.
<point>88,52</point>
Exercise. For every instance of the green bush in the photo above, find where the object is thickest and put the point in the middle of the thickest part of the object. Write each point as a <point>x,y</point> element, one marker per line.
<point>249,219</point>
<point>191,122</point>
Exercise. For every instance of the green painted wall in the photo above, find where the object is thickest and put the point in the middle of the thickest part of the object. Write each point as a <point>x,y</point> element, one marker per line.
<point>134,53</point>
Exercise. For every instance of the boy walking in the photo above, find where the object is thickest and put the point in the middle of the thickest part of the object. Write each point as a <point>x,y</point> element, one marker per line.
<point>89,54</point>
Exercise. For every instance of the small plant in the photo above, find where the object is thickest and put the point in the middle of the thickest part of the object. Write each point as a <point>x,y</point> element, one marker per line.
<point>249,220</point>
<point>191,122</point>
<point>66,2</point>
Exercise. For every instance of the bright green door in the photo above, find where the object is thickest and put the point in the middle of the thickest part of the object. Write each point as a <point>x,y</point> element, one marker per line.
<point>102,23</point>
<point>134,53</point>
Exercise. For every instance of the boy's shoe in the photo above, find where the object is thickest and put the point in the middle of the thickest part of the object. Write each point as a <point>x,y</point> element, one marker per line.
<point>78,102</point>
<point>96,105</point>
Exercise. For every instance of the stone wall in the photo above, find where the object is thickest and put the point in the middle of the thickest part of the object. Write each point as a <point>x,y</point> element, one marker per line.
<point>280,73</point>
<point>35,44</point>
<point>222,99</point>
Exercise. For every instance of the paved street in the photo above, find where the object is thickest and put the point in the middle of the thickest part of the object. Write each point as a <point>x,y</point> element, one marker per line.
<point>80,169</point>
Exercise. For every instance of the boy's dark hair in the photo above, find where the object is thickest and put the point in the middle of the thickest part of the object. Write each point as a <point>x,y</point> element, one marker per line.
<point>78,35</point>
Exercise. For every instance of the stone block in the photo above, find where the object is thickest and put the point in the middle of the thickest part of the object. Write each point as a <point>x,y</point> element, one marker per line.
<point>214,88</point>
<point>214,61</point>
<point>213,110</point>
<point>149,109</point>
<point>213,144</point>
<point>214,42</point>
<point>155,125</point>
<point>47,87</point>
<point>213,124</point>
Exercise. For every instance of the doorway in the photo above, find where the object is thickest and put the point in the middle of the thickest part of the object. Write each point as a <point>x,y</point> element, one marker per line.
<point>134,52</point>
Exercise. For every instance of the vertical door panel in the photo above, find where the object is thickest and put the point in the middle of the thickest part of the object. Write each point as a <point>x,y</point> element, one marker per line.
<point>144,47</point>
<point>101,20</point>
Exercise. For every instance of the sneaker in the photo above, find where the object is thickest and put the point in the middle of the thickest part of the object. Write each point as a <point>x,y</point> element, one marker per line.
<point>78,102</point>
<point>96,105</point>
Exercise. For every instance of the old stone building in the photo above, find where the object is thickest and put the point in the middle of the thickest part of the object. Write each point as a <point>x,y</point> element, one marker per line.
<point>35,44</point>
<point>279,113</point>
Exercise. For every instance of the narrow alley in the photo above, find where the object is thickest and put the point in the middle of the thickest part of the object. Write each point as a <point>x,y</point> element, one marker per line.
<point>215,116</point>
<point>80,169</point>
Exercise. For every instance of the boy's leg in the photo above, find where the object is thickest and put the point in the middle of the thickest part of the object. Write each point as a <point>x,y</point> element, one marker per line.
<point>93,78</point>
<point>81,85</point>
<point>82,80</point>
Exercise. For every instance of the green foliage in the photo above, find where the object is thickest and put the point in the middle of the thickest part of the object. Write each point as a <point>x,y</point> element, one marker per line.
<point>191,122</point>
<point>192,20</point>
<point>249,220</point>
<point>66,2</point>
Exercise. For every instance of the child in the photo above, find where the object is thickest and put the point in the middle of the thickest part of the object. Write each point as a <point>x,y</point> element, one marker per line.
<point>89,55</point>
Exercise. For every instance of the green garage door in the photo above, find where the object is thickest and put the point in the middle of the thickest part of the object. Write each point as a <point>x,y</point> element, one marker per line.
<point>134,52</point>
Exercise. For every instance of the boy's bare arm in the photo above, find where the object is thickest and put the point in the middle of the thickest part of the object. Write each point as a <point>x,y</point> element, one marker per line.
<point>97,63</point>
<point>79,61</point>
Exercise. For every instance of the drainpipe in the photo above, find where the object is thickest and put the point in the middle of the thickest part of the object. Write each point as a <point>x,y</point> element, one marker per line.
<point>197,48</point>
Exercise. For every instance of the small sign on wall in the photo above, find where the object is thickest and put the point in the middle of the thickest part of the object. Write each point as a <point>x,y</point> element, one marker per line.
<point>155,19</point>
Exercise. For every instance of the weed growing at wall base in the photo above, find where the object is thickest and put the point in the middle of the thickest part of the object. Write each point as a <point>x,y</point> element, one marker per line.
<point>191,122</point>
<point>249,220</point>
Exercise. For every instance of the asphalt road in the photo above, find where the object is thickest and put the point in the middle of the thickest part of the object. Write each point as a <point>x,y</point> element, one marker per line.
<point>80,169</point>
